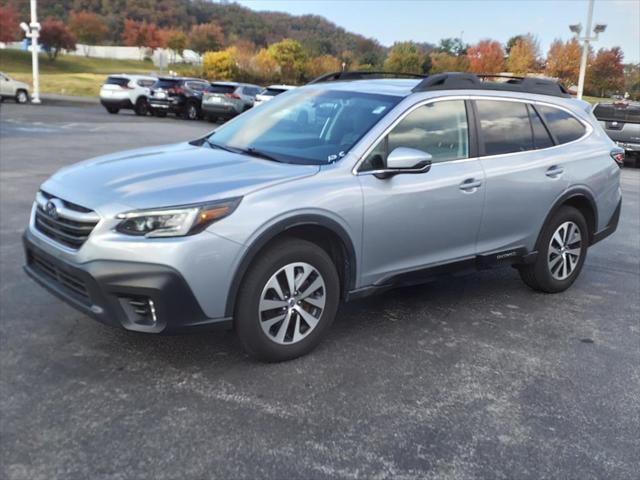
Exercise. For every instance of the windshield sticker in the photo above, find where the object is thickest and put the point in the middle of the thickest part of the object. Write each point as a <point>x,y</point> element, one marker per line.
<point>379,110</point>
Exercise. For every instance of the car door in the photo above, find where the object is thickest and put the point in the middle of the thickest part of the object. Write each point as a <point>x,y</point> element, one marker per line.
<point>5,86</point>
<point>524,175</point>
<point>417,220</point>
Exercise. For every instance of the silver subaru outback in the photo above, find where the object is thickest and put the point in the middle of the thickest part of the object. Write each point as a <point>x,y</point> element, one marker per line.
<point>343,188</point>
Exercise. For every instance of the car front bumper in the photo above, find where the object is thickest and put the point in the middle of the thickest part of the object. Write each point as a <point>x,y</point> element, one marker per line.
<point>138,296</point>
<point>629,147</point>
<point>221,109</point>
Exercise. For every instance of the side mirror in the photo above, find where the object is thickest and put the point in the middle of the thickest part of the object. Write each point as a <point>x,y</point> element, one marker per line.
<point>406,160</point>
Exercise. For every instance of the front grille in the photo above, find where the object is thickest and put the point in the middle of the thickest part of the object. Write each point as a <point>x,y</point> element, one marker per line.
<point>72,224</point>
<point>72,284</point>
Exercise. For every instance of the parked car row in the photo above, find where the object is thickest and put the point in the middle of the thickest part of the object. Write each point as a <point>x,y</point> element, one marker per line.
<point>189,98</point>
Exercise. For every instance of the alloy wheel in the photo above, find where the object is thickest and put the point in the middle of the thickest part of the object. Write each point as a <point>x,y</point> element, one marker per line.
<point>291,303</point>
<point>22,97</point>
<point>565,249</point>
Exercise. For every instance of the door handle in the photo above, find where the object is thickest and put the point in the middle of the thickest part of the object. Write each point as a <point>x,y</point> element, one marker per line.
<point>554,171</point>
<point>470,185</point>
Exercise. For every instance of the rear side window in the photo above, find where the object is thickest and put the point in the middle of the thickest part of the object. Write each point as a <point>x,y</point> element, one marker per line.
<point>563,126</point>
<point>617,113</point>
<point>272,92</point>
<point>166,83</point>
<point>121,81</point>
<point>217,88</point>
<point>253,91</point>
<point>197,86</point>
<point>541,138</point>
<point>146,83</point>
<point>504,127</point>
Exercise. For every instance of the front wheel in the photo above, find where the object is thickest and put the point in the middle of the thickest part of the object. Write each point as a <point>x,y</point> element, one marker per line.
<point>287,301</point>
<point>191,111</point>
<point>562,249</point>
<point>142,107</point>
<point>22,96</point>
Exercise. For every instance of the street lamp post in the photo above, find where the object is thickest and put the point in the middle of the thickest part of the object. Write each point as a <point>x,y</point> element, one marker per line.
<point>587,39</point>
<point>32,31</point>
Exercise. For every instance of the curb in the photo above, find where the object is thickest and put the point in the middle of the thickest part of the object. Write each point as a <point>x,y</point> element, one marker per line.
<point>68,100</point>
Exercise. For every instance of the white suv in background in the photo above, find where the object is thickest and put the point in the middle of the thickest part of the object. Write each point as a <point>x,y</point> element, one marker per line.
<point>126,92</point>
<point>270,92</point>
<point>10,88</point>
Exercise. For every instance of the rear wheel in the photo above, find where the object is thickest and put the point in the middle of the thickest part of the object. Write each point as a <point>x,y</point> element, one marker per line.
<point>142,107</point>
<point>287,301</point>
<point>22,96</point>
<point>562,249</point>
<point>191,112</point>
<point>112,110</point>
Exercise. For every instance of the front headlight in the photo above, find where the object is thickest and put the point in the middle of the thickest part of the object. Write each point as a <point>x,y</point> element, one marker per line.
<point>175,221</point>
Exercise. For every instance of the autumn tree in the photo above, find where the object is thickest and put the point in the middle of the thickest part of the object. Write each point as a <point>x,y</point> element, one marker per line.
<point>445,62</point>
<point>452,46</point>
<point>487,56</point>
<point>406,57</point>
<point>141,35</point>
<point>563,61</point>
<point>323,64</point>
<point>219,65</point>
<point>206,37</point>
<point>265,66</point>
<point>55,36</point>
<point>291,58</point>
<point>606,72</point>
<point>9,28</point>
<point>174,40</point>
<point>523,55</point>
<point>89,29</point>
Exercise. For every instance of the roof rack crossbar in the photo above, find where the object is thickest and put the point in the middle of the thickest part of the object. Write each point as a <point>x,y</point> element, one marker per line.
<point>461,81</point>
<point>361,75</point>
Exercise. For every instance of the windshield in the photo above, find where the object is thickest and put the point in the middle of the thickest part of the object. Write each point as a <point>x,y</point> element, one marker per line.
<point>303,126</point>
<point>617,113</point>
<point>166,83</point>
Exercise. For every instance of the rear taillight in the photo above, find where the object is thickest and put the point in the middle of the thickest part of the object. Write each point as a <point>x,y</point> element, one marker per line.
<point>618,155</point>
<point>232,95</point>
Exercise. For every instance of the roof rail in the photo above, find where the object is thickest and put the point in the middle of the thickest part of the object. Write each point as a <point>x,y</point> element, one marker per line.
<point>363,75</point>
<point>463,81</point>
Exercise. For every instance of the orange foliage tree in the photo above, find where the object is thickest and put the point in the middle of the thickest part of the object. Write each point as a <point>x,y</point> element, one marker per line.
<point>487,56</point>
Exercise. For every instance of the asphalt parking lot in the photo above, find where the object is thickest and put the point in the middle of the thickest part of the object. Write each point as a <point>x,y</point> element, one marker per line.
<point>466,377</point>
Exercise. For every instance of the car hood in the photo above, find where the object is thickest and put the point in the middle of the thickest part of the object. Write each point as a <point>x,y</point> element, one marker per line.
<point>168,175</point>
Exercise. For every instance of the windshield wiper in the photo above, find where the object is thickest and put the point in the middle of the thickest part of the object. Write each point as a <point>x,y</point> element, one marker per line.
<point>259,154</point>
<point>221,147</point>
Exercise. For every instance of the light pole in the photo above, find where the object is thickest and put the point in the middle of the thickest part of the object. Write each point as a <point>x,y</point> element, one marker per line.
<point>587,39</point>
<point>32,31</point>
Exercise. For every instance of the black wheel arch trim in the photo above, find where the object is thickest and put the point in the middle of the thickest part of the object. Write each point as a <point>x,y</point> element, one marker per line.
<point>278,228</point>
<point>576,192</point>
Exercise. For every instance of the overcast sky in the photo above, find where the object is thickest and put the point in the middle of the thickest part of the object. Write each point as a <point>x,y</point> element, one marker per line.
<point>430,20</point>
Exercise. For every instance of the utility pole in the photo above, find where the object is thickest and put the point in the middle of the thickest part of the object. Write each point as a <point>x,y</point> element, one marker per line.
<point>32,31</point>
<point>587,39</point>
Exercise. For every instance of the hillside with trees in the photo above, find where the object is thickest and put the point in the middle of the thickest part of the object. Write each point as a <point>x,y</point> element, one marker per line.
<point>237,43</point>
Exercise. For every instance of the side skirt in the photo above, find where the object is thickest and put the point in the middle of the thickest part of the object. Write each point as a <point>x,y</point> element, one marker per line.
<point>510,257</point>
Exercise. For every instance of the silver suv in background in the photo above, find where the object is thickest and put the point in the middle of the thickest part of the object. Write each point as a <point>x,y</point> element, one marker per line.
<point>126,92</point>
<point>10,88</point>
<point>225,100</point>
<point>270,92</point>
<point>337,190</point>
<point>621,121</point>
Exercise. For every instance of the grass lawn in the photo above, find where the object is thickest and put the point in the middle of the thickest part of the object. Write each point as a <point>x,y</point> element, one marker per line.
<point>70,74</point>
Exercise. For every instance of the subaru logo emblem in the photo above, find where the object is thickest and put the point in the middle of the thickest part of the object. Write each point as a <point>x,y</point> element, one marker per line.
<point>51,209</point>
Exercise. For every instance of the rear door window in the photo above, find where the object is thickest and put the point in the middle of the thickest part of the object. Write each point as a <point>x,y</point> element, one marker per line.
<point>564,126</point>
<point>504,127</point>
<point>541,138</point>
<point>146,83</point>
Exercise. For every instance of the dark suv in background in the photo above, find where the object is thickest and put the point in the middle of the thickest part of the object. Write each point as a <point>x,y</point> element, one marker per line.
<point>179,95</point>
<point>621,121</point>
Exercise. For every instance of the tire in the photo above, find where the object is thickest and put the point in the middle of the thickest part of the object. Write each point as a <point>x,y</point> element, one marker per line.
<point>191,111</point>
<point>142,107</point>
<point>260,307</point>
<point>556,267</point>
<point>112,110</point>
<point>22,96</point>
